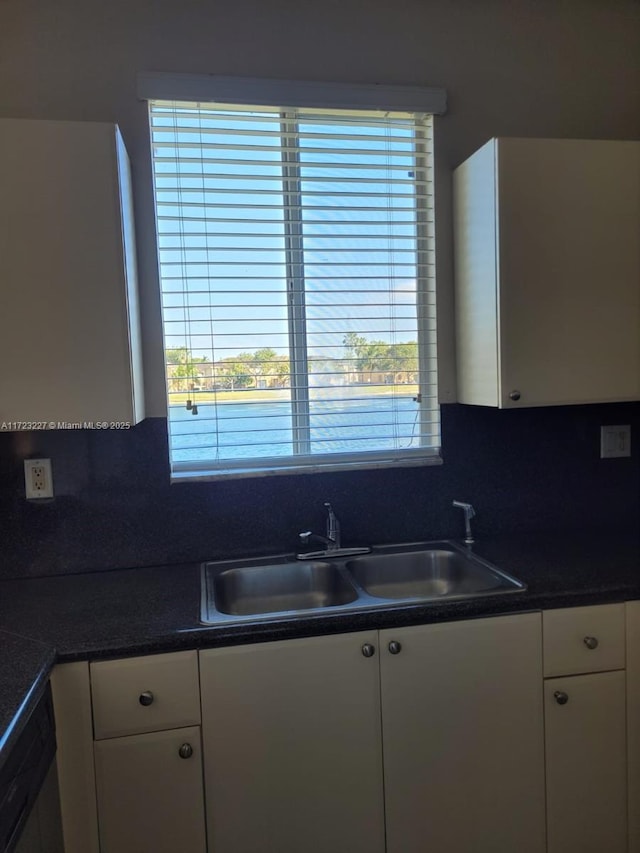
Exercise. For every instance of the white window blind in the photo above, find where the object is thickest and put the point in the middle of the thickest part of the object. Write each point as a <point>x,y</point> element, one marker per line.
<point>297,274</point>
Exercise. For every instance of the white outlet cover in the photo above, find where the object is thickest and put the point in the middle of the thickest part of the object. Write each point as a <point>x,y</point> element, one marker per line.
<point>615,441</point>
<point>33,467</point>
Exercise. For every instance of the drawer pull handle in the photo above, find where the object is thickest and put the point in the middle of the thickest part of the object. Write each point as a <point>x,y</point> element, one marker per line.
<point>395,647</point>
<point>591,642</point>
<point>368,650</point>
<point>561,697</point>
<point>146,698</point>
<point>185,751</point>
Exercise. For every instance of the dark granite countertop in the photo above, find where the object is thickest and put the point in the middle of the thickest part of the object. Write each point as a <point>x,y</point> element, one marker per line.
<point>147,610</point>
<point>24,669</point>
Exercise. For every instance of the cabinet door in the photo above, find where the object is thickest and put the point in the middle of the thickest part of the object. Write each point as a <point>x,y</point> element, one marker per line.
<point>569,266</point>
<point>463,736</point>
<point>586,763</point>
<point>149,797</point>
<point>291,740</point>
<point>633,721</point>
<point>69,315</point>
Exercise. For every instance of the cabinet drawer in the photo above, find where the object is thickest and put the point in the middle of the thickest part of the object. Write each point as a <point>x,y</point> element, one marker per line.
<point>583,639</point>
<point>145,694</point>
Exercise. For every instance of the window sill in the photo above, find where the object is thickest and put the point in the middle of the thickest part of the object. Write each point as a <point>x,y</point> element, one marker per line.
<point>199,475</point>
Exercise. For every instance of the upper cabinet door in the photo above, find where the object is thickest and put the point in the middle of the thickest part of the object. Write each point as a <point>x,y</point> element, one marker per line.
<point>548,272</point>
<point>69,319</point>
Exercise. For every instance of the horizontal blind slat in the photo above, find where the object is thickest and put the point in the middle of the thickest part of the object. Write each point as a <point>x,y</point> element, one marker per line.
<point>273,164</point>
<point>262,430</point>
<point>222,418</point>
<point>232,221</point>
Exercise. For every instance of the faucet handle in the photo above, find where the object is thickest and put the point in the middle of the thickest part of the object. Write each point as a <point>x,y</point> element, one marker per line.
<point>305,536</point>
<point>333,525</point>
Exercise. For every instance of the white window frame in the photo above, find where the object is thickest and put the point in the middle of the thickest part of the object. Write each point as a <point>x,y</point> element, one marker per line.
<point>225,90</point>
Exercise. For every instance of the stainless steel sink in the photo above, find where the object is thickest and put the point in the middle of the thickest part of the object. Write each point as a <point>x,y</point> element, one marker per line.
<point>280,588</point>
<point>434,572</point>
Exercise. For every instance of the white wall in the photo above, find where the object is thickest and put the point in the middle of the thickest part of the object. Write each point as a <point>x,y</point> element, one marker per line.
<point>568,68</point>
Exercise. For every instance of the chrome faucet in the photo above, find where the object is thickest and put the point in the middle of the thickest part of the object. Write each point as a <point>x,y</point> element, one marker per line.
<point>332,539</point>
<point>469,513</point>
<point>331,542</point>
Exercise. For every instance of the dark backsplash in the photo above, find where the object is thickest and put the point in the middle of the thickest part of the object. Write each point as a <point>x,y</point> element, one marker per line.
<point>524,470</point>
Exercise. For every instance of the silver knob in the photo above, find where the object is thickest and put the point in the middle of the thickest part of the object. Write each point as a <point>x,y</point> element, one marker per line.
<point>591,642</point>
<point>395,647</point>
<point>368,650</point>
<point>561,697</point>
<point>146,698</point>
<point>514,395</point>
<point>185,751</point>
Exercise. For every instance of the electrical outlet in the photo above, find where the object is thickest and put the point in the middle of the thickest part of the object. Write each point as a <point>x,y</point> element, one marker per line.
<point>38,480</point>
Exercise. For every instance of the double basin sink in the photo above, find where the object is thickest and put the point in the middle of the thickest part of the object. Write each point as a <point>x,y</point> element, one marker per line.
<point>273,588</point>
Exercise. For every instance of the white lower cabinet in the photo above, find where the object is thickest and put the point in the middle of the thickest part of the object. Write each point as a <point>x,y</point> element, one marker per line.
<point>424,739</point>
<point>463,736</point>
<point>148,755</point>
<point>293,741</point>
<point>586,763</point>
<point>633,721</point>
<point>585,729</point>
<point>149,790</point>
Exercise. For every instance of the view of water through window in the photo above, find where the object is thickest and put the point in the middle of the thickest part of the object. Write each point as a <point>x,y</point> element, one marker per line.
<point>234,435</point>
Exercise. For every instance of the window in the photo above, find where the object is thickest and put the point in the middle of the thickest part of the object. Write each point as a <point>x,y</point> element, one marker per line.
<point>296,258</point>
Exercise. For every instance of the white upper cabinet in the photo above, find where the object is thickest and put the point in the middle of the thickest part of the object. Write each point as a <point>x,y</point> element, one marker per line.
<point>547,245</point>
<point>69,321</point>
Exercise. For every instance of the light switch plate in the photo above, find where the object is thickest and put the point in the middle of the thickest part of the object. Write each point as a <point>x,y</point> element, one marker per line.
<point>615,441</point>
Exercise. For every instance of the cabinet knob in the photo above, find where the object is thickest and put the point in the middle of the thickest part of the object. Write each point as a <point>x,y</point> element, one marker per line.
<point>591,642</point>
<point>368,650</point>
<point>395,647</point>
<point>561,697</point>
<point>514,395</point>
<point>185,751</point>
<point>146,698</point>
